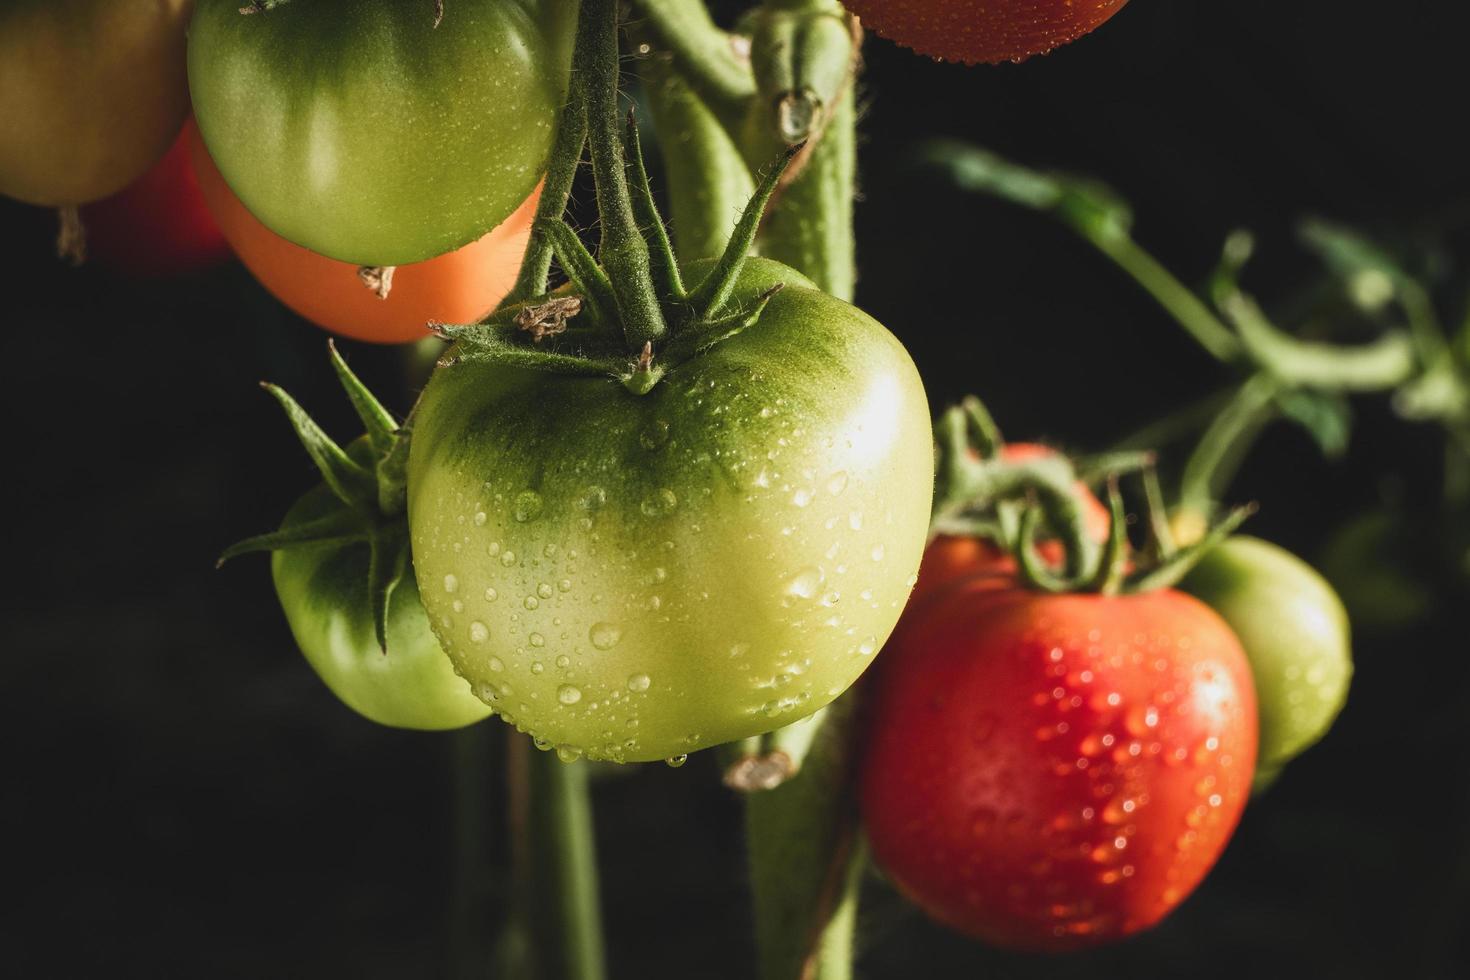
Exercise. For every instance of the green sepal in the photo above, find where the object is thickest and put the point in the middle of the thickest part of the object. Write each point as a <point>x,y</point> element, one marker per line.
<point>1180,563</point>
<point>1033,570</point>
<point>710,296</point>
<point>382,430</point>
<point>352,484</point>
<point>340,527</point>
<point>387,564</point>
<point>662,265</point>
<point>1161,535</point>
<point>700,337</point>
<point>980,427</point>
<point>1097,468</point>
<point>492,349</point>
<point>1113,563</point>
<point>587,277</point>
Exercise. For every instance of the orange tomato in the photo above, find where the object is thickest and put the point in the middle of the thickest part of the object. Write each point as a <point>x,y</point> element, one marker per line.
<point>457,287</point>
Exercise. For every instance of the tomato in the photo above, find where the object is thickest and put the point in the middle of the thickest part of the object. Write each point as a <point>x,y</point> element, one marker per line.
<point>989,31</point>
<point>952,558</point>
<point>364,133</point>
<point>459,287</point>
<point>158,225</point>
<point>323,589</point>
<point>636,577</point>
<point>94,92</point>
<point>1054,771</point>
<point>1295,632</point>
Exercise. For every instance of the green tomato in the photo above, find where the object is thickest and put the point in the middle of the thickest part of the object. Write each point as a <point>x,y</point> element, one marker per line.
<point>362,132</point>
<point>1295,633</point>
<point>323,589</point>
<point>637,577</point>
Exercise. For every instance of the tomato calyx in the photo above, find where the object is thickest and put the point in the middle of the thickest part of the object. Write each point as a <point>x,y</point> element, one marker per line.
<point>981,493</point>
<point>634,316</point>
<point>370,481</point>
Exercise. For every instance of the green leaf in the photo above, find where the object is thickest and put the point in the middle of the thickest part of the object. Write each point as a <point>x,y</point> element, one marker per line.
<point>1326,416</point>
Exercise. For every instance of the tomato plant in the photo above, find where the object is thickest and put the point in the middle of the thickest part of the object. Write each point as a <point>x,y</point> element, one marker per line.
<point>972,31</point>
<point>365,133</point>
<point>1053,771</point>
<point>341,571</point>
<point>1295,632</point>
<point>636,577</point>
<point>455,288</point>
<point>94,93</point>
<point>159,225</point>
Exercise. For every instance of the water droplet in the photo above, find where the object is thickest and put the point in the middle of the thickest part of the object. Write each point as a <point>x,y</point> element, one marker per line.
<point>479,632</point>
<point>837,483</point>
<point>660,502</point>
<point>593,499</point>
<point>537,640</point>
<point>480,518</point>
<point>878,552</point>
<point>531,602</point>
<point>568,753</point>
<point>457,606</point>
<point>493,548</point>
<point>544,744</point>
<point>527,506</point>
<point>867,647</point>
<point>496,664</point>
<point>508,558</point>
<point>802,497</point>
<point>563,661</point>
<point>639,682</point>
<point>567,694</point>
<point>451,584</point>
<point>490,594</point>
<point>654,435</point>
<point>675,761</point>
<point>544,590</point>
<point>565,585</point>
<point>605,636</point>
<point>537,667</point>
<point>805,583</point>
<point>739,649</point>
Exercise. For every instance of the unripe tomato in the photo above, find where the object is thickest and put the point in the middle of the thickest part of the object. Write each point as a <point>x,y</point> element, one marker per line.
<point>459,287</point>
<point>974,31</point>
<point>1295,632</point>
<point>92,93</point>
<point>1054,771</point>
<point>159,225</point>
<point>953,558</point>
<point>363,132</point>
<point>636,577</point>
<point>323,589</point>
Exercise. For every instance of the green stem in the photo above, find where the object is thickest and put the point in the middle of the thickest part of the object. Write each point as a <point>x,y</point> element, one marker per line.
<point>704,54</point>
<point>1224,444</point>
<point>1177,299</point>
<point>623,250</point>
<point>568,919</point>
<point>469,761</point>
<point>556,190</point>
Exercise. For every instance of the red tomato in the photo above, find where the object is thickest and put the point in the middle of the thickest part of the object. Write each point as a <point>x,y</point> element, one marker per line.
<point>950,558</point>
<point>457,287</point>
<point>990,31</point>
<point>158,225</point>
<point>1053,771</point>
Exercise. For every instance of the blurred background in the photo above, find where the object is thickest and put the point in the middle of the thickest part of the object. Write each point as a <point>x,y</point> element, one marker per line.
<point>183,797</point>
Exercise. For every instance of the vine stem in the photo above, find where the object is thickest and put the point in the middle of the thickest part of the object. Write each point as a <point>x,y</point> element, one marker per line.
<point>623,250</point>
<point>1177,299</point>
<point>1223,446</point>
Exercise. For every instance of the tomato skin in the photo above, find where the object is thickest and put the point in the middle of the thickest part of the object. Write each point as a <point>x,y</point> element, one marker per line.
<point>159,225</point>
<point>459,287</point>
<point>1016,739</point>
<point>954,558</point>
<point>323,589</point>
<point>988,31</point>
<point>637,577</point>
<point>363,133</point>
<point>94,92</point>
<point>1294,630</point>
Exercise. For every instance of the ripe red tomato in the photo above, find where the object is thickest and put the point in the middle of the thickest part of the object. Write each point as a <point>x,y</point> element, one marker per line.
<point>989,31</point>
<point>458,287</point>
<point>1054,771</point>
<point>951,558</point>
<point>159,224</point>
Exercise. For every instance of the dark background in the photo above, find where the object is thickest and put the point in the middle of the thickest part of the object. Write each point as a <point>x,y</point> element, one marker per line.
<point>182,797</point>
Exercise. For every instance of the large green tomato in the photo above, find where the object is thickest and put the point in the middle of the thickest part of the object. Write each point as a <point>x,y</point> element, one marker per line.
<point>636,577</point>
<point>323,589</point>
<point>1295,633</point>
<point>361,131</point>
<point>92,94</point>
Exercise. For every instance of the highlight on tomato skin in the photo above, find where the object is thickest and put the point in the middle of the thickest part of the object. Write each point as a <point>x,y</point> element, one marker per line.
<point>983,31</point>
<point>1050,772</point>
<point>158,226</point>
<point>458,287</point>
